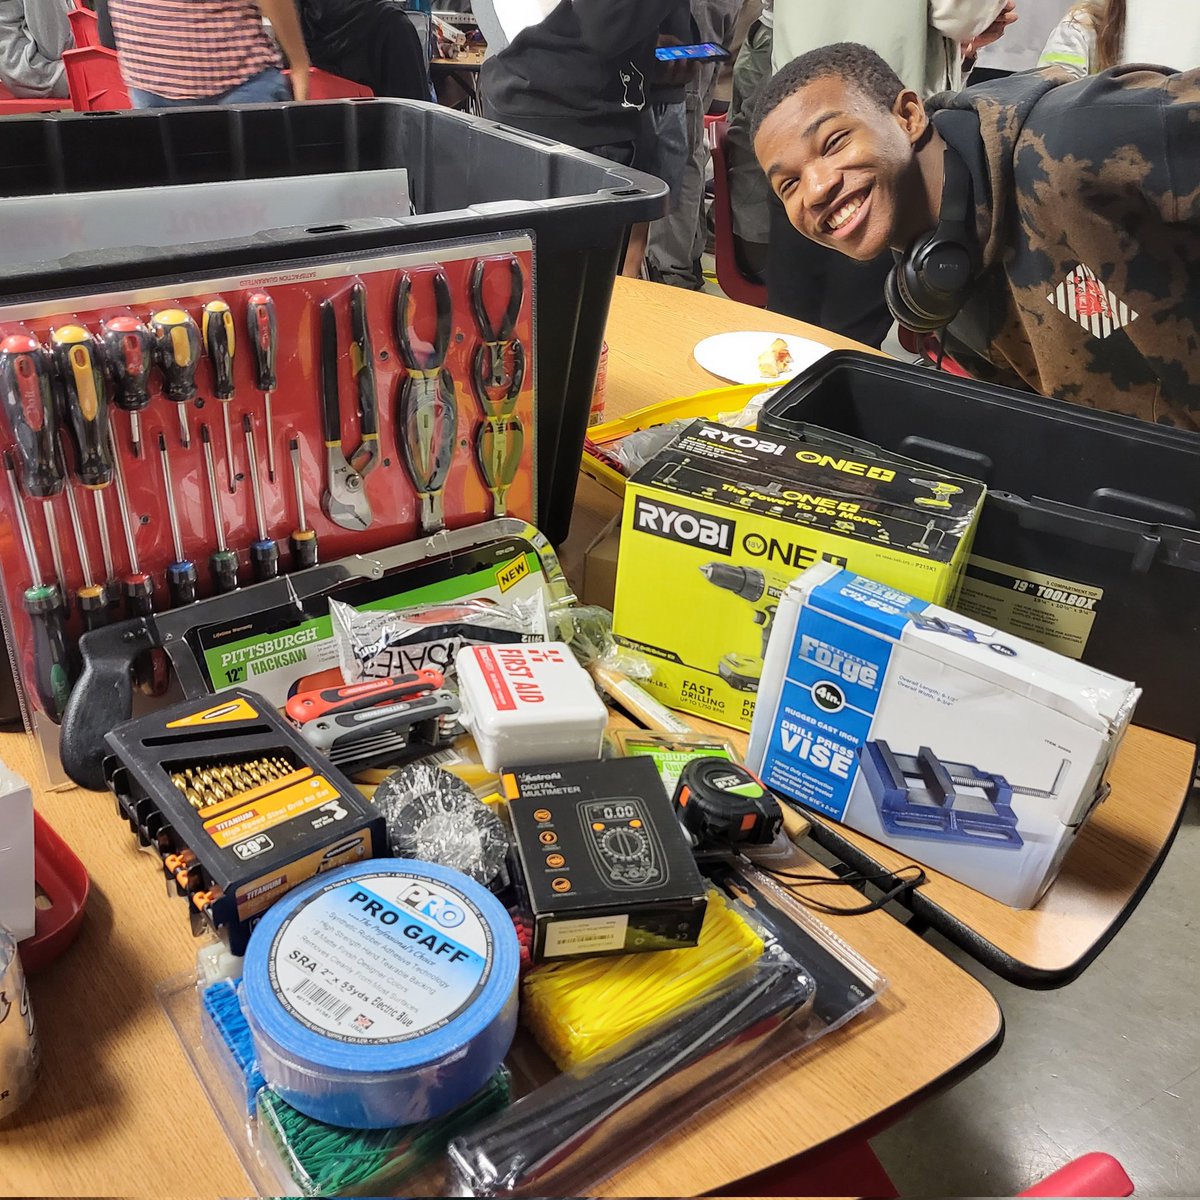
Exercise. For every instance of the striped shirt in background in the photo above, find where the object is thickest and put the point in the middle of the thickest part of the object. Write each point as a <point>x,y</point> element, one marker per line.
<point>190,49</point>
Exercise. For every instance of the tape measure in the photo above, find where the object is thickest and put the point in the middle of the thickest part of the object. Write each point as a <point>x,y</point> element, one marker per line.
<point>721,805</point>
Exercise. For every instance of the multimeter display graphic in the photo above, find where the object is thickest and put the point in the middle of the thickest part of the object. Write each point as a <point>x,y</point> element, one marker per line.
<point>623,843</point>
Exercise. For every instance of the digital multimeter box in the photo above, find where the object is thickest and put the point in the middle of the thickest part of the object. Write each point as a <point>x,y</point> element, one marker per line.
<point>606,867</point>
<point>730,517</point>
<point>965,748</point>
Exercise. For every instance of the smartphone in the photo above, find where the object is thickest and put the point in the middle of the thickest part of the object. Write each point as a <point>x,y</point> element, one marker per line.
<point>702,52</point>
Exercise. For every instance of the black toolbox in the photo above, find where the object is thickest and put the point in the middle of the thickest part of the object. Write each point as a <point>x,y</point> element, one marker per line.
<point>467,177</point>
<point>1089,540</point>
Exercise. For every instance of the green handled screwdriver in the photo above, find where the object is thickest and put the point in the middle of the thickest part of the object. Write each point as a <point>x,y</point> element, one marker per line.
<point>52,672</point>
<point>223,562</point>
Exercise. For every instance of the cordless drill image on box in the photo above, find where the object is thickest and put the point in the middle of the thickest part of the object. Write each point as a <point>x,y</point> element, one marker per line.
<point>743,671</point>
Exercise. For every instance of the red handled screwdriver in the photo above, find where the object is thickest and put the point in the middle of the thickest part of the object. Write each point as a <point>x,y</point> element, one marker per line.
<point>177,348</point>
<point>221,344</point>
<point>264,336</point>
<point>129,355</point>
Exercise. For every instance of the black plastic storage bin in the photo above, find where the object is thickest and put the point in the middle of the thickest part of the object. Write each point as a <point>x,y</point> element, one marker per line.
<point>467,177</point>
<point>1106,505</point>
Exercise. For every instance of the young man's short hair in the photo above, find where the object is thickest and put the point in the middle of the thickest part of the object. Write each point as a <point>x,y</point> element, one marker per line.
<point>854,64</point>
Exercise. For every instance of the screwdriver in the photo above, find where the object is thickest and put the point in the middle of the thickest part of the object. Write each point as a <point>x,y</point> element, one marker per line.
<point>52,674</point>
<point>28,402</point>
<point>93,603</point>
<point>129,352</point>
<point>223,562</point>
<point>139,587</point>
<point>221,344</point>
<point>177,347</point>
<point>181,573</point>
<point>85,402</point>
<point>260,316</point>
<point>303,540</point>
<point>264,553</point>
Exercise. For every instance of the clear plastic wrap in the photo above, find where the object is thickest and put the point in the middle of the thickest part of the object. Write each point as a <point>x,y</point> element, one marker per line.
<point>636,449</point>
<point>587,629</point>
<point>382,645</point>
<point>434,816</point>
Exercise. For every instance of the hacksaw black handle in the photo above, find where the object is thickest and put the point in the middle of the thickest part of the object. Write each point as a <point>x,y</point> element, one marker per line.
<point>102,697</point>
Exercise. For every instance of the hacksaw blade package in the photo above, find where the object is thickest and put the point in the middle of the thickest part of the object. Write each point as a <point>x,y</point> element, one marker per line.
<point>969,750</point>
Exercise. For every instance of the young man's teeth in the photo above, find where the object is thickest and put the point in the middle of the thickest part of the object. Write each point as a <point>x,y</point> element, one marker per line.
<point>844,213</point>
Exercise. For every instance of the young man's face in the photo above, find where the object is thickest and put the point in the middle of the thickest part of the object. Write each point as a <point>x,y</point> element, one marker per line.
<point>841,164</point>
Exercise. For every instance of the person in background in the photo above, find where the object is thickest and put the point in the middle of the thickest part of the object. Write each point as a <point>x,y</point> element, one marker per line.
<point>1098,34</point>
<point>581,76</point>
<point>1068,209</point>
<point>676,242</point>
<point>1019,48</point>
<point>33,36</point>
<point>749,195</point>
<point>926,43</point>
<point>179,52</point>
<point>371,42</point>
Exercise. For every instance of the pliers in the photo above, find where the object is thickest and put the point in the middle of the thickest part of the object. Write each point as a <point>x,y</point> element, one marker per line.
<point>489,367</point>
<point>428,410</point>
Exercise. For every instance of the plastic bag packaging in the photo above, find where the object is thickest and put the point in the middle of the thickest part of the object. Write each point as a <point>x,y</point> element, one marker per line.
<point>745,418</point>
<point>587,629</point>
<point>434,816</point>
<point>226,1032</point>
<point>572,1133</point>
<point>577,1129</point>
<point>383,645</point>
<point>579,1009</point>
<point>325,1160</point>
<point>636,449</point>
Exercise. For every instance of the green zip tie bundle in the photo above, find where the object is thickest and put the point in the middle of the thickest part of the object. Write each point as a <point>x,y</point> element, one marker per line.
<point>327,1160</point>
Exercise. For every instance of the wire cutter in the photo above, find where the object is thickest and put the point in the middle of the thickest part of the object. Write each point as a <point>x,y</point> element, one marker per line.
<point>428,410</point>
<point>489,366</point>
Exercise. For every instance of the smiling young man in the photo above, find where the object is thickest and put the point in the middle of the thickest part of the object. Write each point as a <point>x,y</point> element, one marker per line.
<point>1081,204</point>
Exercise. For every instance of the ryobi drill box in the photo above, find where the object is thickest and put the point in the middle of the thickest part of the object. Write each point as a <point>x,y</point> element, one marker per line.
<point>719,522</point>
<point>969,750</point>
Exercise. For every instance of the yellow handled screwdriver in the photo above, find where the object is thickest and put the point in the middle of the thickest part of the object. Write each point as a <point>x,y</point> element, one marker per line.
<point>221,344</point>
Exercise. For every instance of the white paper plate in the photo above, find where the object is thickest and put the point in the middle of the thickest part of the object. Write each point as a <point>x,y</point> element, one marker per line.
<point>734,356</point>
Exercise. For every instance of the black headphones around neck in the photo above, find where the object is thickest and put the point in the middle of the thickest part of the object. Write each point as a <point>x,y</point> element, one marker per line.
<point>932,278</point>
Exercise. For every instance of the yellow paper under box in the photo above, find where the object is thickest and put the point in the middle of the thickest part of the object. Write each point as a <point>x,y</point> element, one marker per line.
<point>718,523</point>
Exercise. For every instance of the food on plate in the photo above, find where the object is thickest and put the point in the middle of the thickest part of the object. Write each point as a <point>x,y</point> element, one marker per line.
<point>774,360</point>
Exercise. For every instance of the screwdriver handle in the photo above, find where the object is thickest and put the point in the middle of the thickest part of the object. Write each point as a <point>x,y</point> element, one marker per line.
<point>304,548</point>
<point>264,333</point>
<point>93,603</point>
<point>177,349</point>
<point>264,559</point>
<point>86,402</point>
<point>181,583</point>
<point>223,566</point>
<point>128,348</point>
<point>51,659</point>
<point>221,344</point>
<point>28,401</point>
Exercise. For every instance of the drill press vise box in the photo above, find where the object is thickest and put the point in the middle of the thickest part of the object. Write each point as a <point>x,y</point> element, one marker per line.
<point>969,750</point>
<point>17,888</point>
<point>718,523</point>
<point>605,866</point>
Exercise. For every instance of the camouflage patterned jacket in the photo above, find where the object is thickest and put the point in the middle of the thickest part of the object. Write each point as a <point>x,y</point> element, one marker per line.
<point>1088,206</point>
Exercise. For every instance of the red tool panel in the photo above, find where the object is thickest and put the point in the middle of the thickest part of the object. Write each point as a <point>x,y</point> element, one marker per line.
<point>396,391</point>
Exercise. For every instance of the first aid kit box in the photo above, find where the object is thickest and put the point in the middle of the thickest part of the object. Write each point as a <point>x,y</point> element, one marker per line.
<point>718,523</point>
<point>17,911</point>
<point>964,748</point>
<point>529,704</point>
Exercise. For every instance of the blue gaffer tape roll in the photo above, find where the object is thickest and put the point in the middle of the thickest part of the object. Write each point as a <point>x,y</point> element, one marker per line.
<point>383,993</point>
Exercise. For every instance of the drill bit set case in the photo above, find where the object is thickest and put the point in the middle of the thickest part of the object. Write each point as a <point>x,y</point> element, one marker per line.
<point>962,747</point>
<point>718,523</point>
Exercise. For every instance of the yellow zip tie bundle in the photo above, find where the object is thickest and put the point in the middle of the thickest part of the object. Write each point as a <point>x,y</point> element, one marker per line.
<point>580,1008</point>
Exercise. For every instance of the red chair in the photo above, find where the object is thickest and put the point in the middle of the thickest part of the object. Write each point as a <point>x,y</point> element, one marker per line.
<point>734,283</point>
<point>85,27</point>
<point>94,80</point>
<point>930,349</point>
<point>323,85</point>
<point>11,105</point>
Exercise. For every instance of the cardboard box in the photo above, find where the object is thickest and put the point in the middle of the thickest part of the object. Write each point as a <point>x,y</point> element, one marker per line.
<point>17,891</point>
<point>969,750</point>
<point>606,867</point>
<point>600,566</point>
<point>721,521</point>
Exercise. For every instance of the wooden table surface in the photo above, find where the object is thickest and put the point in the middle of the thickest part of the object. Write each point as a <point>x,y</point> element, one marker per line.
<point>119,1111</point>
<point>1117,852</point>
